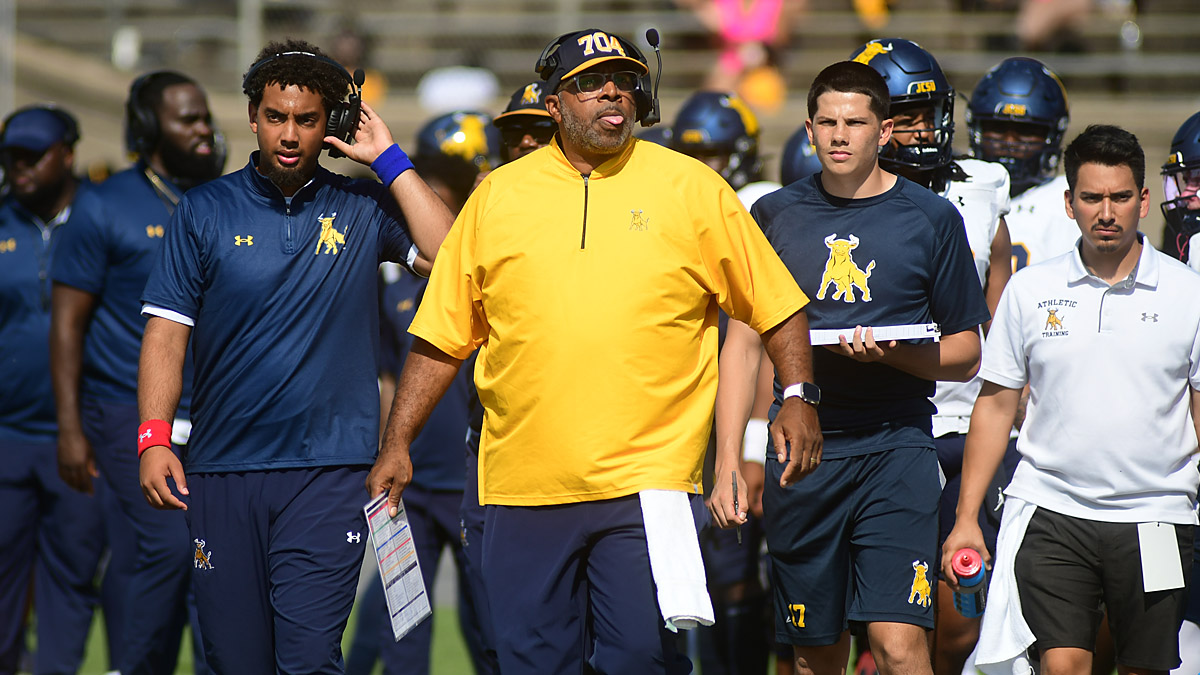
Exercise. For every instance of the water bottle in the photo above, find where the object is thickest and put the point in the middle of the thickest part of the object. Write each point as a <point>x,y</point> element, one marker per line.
<point>971,597</point>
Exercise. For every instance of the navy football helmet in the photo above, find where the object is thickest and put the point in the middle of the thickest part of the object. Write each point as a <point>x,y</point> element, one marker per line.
<point>465,134</point>
<point>1181,183</point>
<point>913,78</point>
<point>799,158</point>
<point>1023,91</point>
<point>660,135</point>
<point>719,124</point>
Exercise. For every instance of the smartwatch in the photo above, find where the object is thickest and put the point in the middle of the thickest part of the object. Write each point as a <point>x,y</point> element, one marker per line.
<point>805,391</point>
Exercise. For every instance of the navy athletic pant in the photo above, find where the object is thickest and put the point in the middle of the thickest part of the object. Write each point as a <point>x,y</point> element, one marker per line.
<point>50,543</point>
<point>571,584</point>
<point>276,557</point>
<point>155,572</point>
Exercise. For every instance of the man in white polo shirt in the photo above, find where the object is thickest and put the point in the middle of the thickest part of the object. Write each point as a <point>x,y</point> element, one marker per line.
<point>1108,339</point>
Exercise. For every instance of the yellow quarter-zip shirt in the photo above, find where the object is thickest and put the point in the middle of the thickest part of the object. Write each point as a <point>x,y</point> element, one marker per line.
<point>593,301</point>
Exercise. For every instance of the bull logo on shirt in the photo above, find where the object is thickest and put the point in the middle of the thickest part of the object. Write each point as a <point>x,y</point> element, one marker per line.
<point>842,272</point>
<point>531,95</point>
<point>1053,320</point>
<point>202,560</point>
<point>921,589</point>
<point>870,51</point>
<point>329,237</point>
<point>639,222</point>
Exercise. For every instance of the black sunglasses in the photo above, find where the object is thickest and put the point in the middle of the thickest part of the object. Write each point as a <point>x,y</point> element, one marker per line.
<point>586,83</point>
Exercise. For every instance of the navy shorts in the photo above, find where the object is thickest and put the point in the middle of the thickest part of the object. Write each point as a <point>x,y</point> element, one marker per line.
<point>854,541</point>
<point>571,584</point>
<point>276,557</point>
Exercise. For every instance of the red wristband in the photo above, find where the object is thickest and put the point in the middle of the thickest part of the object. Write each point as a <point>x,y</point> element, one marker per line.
<point>152,433</point>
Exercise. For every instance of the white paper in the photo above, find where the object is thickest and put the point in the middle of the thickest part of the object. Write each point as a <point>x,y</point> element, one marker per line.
<point>1162,570</point>
<point>919,331</point>
<point>399,571</point>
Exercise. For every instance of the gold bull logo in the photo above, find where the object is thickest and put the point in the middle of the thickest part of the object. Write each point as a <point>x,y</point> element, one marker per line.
<point>201,559</point>
<point>1053,321</point>
<point>330,237</point>
<point>842,272</point>
<point>532,93</point>
<point>920,586</point>
<point>870,51</point>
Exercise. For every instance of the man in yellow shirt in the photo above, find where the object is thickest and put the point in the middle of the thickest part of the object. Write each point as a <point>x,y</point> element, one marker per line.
<point>589,276</point>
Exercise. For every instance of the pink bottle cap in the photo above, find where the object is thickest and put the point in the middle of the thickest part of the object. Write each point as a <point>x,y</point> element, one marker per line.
<point>966,563</point>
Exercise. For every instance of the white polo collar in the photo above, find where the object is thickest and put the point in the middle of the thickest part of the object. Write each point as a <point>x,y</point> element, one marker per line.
<point>1144,274</point>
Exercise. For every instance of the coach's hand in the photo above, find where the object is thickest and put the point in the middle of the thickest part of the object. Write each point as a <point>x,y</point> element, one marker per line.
<point>392,473</point>
<point>720,501</point>
<point>796,425</point>
<point>76,462</point>
<point>158,464</point>
<point>862,347</point>
<point>370,139</point>
<point>966,534</point>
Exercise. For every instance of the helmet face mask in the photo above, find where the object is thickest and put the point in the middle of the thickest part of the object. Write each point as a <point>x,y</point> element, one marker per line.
<point>1019,98</point>
<point>922,135</point>
<point>720,130</point>
<point>1181,188</point>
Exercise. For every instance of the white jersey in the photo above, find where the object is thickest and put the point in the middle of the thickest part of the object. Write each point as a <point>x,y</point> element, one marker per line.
<point>752,192</point>
<point>1193,261</point>
<point>982,199</point>
<point>1038,224</point>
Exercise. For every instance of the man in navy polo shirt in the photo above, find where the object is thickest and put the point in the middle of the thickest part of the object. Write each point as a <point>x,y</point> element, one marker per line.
<point>272,271</point>
<point>99,272</point>
<point>48,530</point>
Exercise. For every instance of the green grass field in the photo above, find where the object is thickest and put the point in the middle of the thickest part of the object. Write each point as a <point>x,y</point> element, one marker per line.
<point>449,652</point>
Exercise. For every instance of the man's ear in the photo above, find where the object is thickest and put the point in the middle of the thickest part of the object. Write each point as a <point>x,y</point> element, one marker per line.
<point>252,110</point>
<point>1067,200</point>
<point>553,107</point>
<point>885,131</point>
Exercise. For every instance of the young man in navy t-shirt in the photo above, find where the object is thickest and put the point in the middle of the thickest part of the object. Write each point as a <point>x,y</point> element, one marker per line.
<point>272,272</point>
<point>855,540</point>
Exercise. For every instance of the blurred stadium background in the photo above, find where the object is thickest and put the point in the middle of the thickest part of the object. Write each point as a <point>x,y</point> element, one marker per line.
<point>1135,63</point>
<point>1131,62</point>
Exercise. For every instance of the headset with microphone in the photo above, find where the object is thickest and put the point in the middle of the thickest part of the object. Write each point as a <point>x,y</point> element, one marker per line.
<point>645,98</point>
<point>344,117</point>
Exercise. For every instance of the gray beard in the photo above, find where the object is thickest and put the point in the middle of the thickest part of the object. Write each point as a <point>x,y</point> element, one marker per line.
<point>581,134</point>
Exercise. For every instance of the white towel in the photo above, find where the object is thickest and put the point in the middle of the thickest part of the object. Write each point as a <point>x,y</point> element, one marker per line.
<point>675,560</point>
<point>1004,636</point>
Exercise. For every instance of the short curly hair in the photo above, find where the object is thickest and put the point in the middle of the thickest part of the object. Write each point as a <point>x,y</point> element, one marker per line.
<point>303,71</point>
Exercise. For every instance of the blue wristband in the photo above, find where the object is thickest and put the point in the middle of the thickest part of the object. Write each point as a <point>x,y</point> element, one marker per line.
<point>390,164</point>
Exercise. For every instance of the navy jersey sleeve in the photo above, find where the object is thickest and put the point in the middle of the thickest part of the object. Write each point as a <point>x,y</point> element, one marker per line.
<point>956,300</point>
<point>81,256</point>
<point>176,280</point>
<point>395,243</point>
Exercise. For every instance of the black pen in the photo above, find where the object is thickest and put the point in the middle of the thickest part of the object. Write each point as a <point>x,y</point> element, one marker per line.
<point>735,508</point>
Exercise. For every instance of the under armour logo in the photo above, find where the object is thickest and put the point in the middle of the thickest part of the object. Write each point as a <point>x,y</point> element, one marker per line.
<point>960,201</point>
<point>144,435</point>
<point>352,537</point>
<point>1149,317</point>
<point>247,240</point>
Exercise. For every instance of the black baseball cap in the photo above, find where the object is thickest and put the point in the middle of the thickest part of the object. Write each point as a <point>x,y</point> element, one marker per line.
<point>36,129</point>
<point>526,105</point>
<point>574,53</point>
